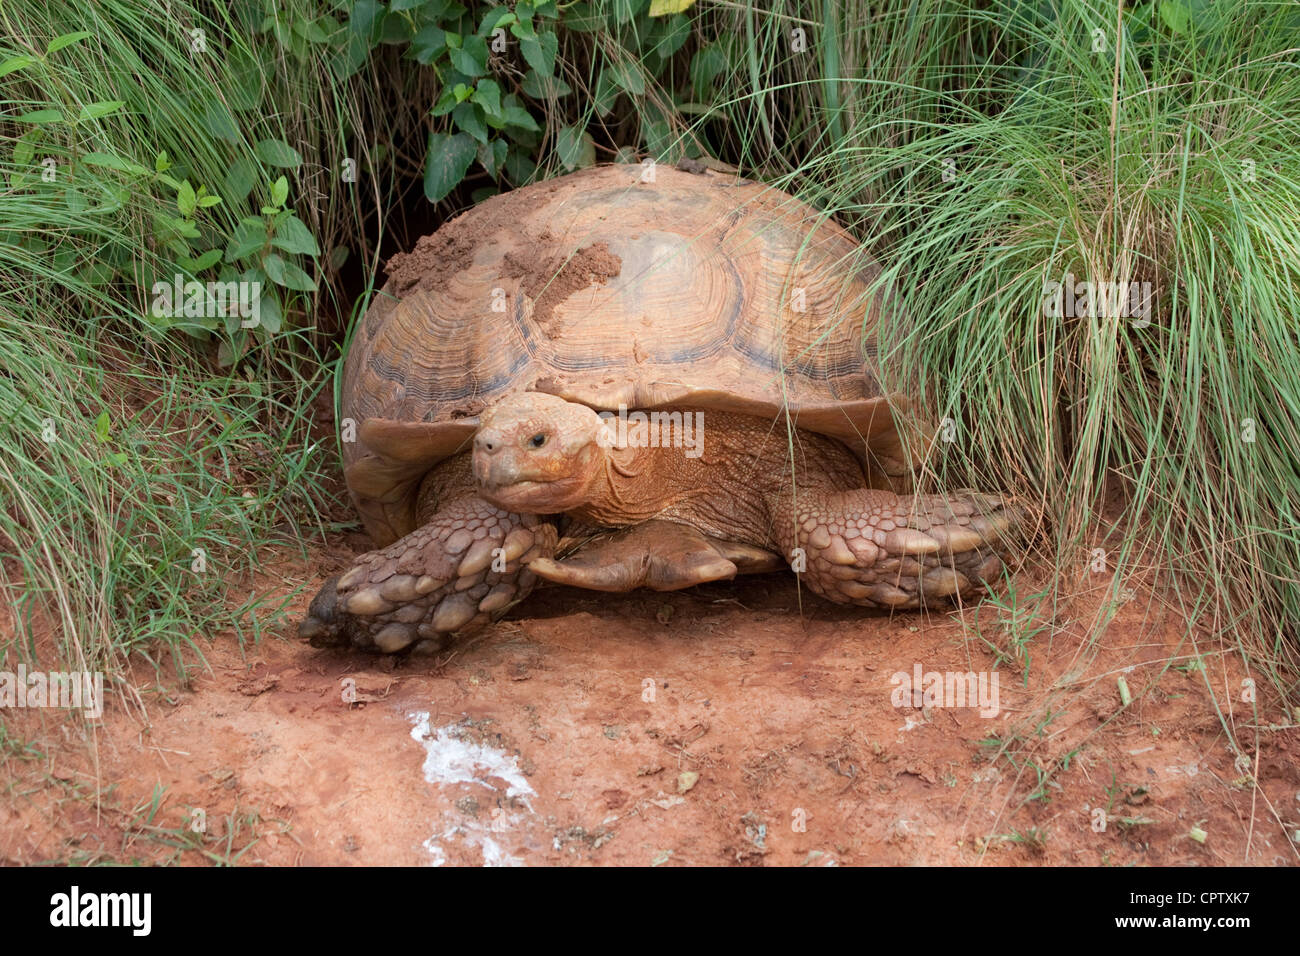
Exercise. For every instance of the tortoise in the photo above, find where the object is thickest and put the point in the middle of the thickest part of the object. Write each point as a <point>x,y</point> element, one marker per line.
<point>632,376</point>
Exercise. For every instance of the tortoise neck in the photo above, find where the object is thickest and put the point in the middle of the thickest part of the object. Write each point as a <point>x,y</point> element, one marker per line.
<point>717,479</point>
<point>631,486</point>
<point>655,460</point>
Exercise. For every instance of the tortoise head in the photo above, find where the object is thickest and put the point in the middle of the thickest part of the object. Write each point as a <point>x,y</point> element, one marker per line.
<point>536,453</point>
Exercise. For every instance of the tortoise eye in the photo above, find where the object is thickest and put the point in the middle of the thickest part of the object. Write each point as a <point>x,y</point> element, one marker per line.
<point>538,440</point>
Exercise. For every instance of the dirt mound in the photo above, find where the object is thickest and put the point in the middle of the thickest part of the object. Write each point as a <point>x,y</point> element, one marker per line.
<point>551,280</point>
<point>450,250</point>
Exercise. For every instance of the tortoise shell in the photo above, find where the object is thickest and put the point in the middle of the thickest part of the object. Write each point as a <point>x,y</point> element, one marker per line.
<point>634,286</point>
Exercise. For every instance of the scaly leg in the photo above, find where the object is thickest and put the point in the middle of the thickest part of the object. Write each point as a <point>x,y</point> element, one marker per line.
<point>661,555</point>
<point>462,568</point>
<point>873,547</point>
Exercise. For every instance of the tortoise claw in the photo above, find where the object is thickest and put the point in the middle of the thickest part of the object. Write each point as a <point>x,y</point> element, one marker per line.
<point>462,569</point>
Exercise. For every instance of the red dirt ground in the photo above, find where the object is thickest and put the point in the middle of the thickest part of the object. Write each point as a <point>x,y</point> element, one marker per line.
<point>712,726</point>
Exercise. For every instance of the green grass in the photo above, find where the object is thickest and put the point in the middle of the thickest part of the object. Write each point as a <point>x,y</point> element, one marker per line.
<point>121,467</point>
<point>133,445</point>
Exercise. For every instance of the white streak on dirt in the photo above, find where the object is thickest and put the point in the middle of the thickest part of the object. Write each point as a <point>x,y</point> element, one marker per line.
<point>450,760</point>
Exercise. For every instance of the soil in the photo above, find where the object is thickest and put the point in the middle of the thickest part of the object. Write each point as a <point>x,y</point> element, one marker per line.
<point>720,725</point>
<point>450,250</point>
<point>550,281</point>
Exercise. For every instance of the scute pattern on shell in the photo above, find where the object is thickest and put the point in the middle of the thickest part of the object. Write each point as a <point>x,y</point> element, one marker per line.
<point>687,288</point>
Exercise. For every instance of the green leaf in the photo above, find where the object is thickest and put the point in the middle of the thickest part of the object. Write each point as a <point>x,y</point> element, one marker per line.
<point>95,110</point>
<point>41,116</point>
<point>228,354</point>
<point>285,273</point>
<point>218,121</point>
<point>102,424</point>
<point>109,161</point>
<point>312,31</point>
<point>495,17</point>
<point>676,31</point>
<point>518,116</point>
<point>628,75</point>
<point>293,236</point>
<point>660,138</point>
<point>429,44</point>
<point>241,177</point>
<point>1176,15</point>
<point>487,94</point>
<point>77,203</point>
<point>492,155</point>
<point>248,237</point>
<point>96,274</point>
<point>206,261</point>
<point>446,102</point>
<point>447,161</point>
<point>705,67</point>
<point>542,87</point>
<point>185,199</point>
<point>468,117</point>
<point>663,8</point>
<point>25,147</point>
<point>581,17</point>
<point>575,148</point>
<point>364,20</point>
<point>244,91</point>
<point>269,316</point>
<point>207,202</point>
<point>472,57</point>
<point>279,191</point>
<point>14,63</point>
<point>539,52</point>
<point>67,39</point>
<point>276,152</point>
<point>395,29</point>
<point>622,11</point>
<point>602,101</point>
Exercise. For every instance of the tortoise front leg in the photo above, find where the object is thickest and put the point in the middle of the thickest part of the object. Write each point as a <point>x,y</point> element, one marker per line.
<point>662,555</point>
<point>462,568</point>
<point>873,547</point>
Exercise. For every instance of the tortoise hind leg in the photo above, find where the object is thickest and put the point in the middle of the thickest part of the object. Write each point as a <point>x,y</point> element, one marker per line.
<point>462,568</point>
<point>873,547</point>
<point>661,555</point>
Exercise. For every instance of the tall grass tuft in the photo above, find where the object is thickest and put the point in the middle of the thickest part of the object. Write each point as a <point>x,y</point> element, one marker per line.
<point>984,153</point>
<point>149,464</point>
